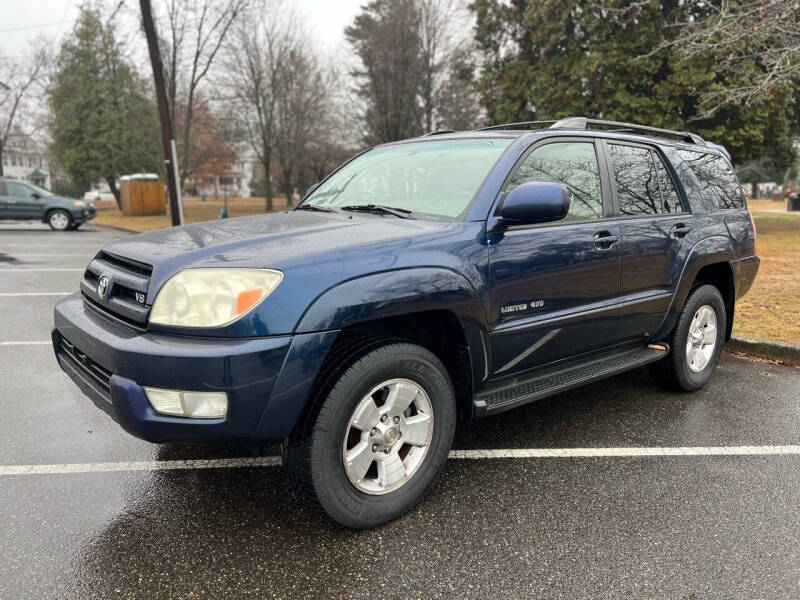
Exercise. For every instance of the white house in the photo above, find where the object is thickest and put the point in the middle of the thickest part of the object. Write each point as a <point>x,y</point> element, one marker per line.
<point>23,159</point>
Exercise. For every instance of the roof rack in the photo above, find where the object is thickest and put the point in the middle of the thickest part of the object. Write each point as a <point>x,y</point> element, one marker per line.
<point>584,123</point>
<point>518,125</point>
<point>438,132</point>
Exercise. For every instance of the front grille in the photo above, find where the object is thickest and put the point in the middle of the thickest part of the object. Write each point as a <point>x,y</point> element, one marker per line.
<point>125,294</point>
<point>93,371</point>
<point>126,264</point>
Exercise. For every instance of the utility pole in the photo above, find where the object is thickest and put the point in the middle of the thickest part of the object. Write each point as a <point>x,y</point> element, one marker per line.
<point>167,137</point>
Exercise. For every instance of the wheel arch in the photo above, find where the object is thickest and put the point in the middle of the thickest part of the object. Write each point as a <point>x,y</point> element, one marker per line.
<point>709,261</point>
<point>434,307</point>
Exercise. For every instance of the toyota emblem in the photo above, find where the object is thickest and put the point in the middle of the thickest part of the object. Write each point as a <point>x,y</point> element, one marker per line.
<point>102,287</point>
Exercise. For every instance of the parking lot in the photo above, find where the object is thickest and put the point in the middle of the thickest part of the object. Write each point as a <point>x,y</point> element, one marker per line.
<point>615,490</point>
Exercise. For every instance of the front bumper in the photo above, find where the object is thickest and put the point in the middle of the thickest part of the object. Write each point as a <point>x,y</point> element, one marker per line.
<point>84,215</point>
<point>267,379</point>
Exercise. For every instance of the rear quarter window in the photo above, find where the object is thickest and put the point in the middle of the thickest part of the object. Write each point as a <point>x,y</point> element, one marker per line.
<point>716,177</point>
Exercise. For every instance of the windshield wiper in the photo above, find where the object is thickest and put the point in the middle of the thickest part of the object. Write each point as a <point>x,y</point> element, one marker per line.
<point>313,207</point>
<point>379,208</point>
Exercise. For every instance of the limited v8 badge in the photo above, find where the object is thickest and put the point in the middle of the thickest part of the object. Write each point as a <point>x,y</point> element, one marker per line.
<point>520,307</point>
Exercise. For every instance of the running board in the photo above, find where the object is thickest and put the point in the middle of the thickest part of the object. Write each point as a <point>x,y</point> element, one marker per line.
<point>521,390</point>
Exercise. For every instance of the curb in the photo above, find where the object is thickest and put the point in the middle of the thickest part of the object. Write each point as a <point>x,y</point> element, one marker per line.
<point>768,349</point>
<point>117,227</point>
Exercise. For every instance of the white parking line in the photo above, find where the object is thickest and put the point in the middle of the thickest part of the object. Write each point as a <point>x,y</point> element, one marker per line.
<point>26,343</point>
<point>38,270</point>
<point>17,294</point>
<point>274,461</point>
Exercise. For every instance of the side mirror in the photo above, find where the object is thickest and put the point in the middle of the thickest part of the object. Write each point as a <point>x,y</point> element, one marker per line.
<point>35,195</point>
<point>535,202</point>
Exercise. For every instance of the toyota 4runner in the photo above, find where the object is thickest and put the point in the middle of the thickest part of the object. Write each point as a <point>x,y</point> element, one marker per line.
<point>456,275</point>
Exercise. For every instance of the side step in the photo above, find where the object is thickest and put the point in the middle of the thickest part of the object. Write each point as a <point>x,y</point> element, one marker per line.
<point>521,390</point>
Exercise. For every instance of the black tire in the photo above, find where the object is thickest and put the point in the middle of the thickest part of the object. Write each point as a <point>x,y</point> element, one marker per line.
<point>313,452</point>
<point>59,220</point>
<point>673,371</point>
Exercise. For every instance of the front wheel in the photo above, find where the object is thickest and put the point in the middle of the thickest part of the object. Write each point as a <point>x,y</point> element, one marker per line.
<point>696,342</point>
<point>377,434</point>
<point>59,220</point>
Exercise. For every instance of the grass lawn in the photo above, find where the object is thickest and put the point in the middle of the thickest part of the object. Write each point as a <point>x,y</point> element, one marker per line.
<point>194,209</point>
<point>770,310</point>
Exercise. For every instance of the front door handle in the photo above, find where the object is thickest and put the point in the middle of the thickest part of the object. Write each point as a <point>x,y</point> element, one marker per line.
<point>680,231</point>
<point>604,240</point>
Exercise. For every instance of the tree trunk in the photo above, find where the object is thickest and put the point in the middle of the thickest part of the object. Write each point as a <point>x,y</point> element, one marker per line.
<point>268,187</point>
<point>287,186</point>
<point>754,190</point>
<point>112,185</point>
<point>1,159</point>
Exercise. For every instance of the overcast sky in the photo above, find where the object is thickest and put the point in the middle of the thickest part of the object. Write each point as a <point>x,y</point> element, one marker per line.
<point>23,20</point>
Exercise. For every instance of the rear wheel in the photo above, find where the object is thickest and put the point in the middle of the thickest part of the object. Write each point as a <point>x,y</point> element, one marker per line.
<point>696,342</point>
<point>376,436</point>
<point>59,220</point>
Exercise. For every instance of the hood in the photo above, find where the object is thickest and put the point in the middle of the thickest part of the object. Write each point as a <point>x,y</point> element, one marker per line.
<point>271,240</point>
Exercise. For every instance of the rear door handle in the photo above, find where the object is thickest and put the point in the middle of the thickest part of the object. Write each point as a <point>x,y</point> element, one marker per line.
<point>604,240</point>
<point>680,231</point>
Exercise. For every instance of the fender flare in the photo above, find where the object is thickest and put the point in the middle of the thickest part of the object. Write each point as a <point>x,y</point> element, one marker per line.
<point>708,251</point>
<point>404,292</point>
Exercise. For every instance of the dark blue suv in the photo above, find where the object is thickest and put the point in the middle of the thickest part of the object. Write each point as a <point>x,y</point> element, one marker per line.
<point>450,276</point>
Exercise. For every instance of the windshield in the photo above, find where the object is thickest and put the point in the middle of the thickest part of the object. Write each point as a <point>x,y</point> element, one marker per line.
<point>435,178</point>
<point>40,190</point>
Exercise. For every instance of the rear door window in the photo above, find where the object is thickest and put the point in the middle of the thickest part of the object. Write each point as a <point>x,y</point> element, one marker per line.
<point>636,180</point>
<point>573,164</point>
<point>716,176</point>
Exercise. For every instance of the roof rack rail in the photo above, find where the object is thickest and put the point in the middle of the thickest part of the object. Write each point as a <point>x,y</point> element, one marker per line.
<point>543,124</point>
<point>583,123</point>
<point>438,132</point>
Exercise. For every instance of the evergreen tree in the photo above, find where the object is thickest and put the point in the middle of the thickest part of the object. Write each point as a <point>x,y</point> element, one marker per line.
<point>612,60</point>
<point>103,123</point>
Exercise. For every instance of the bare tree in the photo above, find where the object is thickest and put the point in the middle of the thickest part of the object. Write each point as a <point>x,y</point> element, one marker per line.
<point>20,82</point>
<point>436,42</point>
<point>302,98</point>
<point>755,45</point>
<point>260,44</point>
<point>192,34</point>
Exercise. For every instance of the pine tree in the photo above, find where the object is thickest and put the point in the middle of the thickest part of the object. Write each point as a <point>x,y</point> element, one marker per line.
<point>103,122</point>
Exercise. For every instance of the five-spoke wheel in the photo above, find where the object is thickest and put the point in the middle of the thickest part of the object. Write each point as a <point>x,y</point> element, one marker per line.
<point>701,341</point>
<point>377,432</point>
<point>388,436</point>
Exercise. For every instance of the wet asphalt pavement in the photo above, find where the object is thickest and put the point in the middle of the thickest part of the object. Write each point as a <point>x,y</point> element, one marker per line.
<point>613,527</point>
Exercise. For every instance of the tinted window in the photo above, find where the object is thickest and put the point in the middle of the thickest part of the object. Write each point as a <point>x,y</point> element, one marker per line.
<point>717,178</point>
<point>670,201</point>
<point>573,164</point>
<point>17,190</point>
<point>637,183</point>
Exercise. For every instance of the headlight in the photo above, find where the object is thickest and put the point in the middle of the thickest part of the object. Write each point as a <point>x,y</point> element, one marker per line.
<point>79,203</point>
<point>212,297</point>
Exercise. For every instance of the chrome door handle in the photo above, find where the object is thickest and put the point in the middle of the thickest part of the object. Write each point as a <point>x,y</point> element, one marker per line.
<point>680,231</point>
<point>604,240</point>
